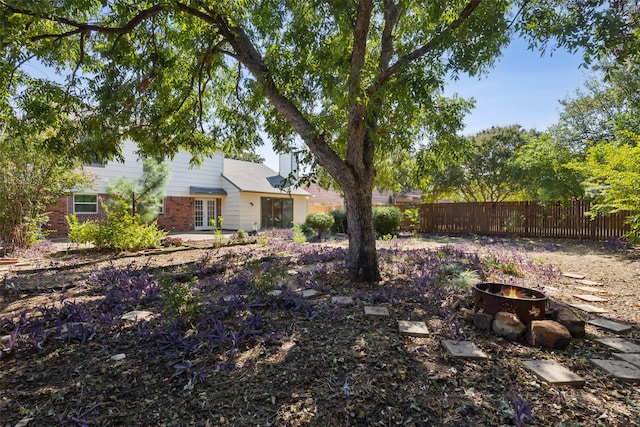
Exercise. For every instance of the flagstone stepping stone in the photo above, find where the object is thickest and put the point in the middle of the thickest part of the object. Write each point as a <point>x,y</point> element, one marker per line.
<point>413,328</point>
<point>463,349</point>
<point>573,275</point>
<point>610,325</point>
<point>310,293</point>
<point>590,298</point>
<point>551,290</point>
<point>620,344</point>
<point>117,357</point>
<point>553,372</point>
<point>376,312</point>
<point>590,289</point>
<point>589,308</point>
<point>588,282</point>
<point>275,292</point>
<point>633,358</point>
<point>342,300</point>
<point>138,315</point>
<point>229,298</point>
<point>620,369</point>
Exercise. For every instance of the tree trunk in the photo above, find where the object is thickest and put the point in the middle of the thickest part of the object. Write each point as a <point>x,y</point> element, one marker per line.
<point>363,257</point>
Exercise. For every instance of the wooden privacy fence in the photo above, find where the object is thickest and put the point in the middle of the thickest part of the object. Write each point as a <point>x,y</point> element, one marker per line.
<point>527,219</point>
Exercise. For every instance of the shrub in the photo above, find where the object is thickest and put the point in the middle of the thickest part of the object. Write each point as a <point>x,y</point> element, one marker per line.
<point>386,220</point>
<point>340,221</point>
<point>298,234</point>
<point>122,232</point>
<point>320,222</point>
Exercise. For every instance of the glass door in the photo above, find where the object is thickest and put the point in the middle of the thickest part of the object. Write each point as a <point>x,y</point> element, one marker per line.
<point>205,212</point>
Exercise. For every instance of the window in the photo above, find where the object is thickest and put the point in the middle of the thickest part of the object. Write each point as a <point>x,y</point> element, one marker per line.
<point>85,203</point>
<point>161,210</point>
<point>94,162</point>
<point>276,212</point>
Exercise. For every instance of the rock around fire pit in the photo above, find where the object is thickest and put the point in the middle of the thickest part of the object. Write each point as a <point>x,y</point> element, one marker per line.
<point>516,311</point>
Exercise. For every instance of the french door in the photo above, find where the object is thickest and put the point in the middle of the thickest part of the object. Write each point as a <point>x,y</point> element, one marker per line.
<point>205,214</point>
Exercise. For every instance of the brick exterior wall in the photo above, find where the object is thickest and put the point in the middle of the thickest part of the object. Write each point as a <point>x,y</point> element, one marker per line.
<point>178,215</point>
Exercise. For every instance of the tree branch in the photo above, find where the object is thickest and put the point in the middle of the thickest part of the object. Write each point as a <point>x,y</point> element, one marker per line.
<point>424,49</point>
<point>82,27</point>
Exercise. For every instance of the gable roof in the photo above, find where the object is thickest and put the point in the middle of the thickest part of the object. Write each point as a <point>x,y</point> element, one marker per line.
<point>256,178</point>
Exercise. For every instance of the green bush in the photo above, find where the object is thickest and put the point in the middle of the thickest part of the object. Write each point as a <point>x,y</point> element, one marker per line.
<point>386,220</point>
<point>340,221</point>
<point>320,222</point>
<point>122,232</point>
<point>299,234</point>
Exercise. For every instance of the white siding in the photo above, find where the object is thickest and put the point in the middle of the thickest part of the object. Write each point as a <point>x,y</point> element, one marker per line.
<point>209,174</point>
<point>300,209</point>
<point>231,207</point>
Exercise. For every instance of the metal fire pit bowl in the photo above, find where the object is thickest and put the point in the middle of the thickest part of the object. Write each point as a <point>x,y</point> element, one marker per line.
<point>492,298</point>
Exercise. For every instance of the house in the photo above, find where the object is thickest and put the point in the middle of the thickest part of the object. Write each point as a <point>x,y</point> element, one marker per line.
<point>246,195</point>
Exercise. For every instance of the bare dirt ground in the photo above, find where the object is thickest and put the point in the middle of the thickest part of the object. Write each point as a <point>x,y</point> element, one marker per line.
<point>219,349</point>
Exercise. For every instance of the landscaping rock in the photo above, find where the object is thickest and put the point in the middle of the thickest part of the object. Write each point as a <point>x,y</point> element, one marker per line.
<point>508,325</point>
<point>467,314</point>
<point>482,321</point>
<point>569,320</point>
<point>549,334</point>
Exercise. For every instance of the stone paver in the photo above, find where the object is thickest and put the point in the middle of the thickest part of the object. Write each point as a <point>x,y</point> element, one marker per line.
<point>463,349</point>
<point>553,372</point>
<point>342,300</point>
<point>137,315</point>
<point>589,308</point>
<point>413,328</point>
<point>588,282</point>
<point>610,325</point>
<point>573,275</point>
<point>620,369</point>
<point>620,344</point>
<point>633,358</point>
<point>310,293</point>
<point>590,289</point>
<point>590,298</point>
<point>376,312</point>
<point>276,292</point>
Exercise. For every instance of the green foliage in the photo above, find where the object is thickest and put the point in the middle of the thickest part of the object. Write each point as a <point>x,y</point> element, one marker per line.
<point>339,221</point>
<point>299,234</point>
<point>241,234</point>
<point>32,178</point>
<point>413,216</point>
<point>456,275</point>
<point>613,176</point>
<point>481,168</point>
<point>386,220</point>
<point>142,198</point>
<point>120,232</point>
<point>181,299</point>
<point>506,267</point>
<point>320,222</point>
<point>541,170</point>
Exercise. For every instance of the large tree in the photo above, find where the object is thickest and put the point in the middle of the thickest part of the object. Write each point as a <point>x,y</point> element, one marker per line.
<point>353,79</point>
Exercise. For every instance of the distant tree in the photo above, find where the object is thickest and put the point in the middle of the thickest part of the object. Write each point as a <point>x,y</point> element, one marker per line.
<point>32,178</point>
<point>542,173</point>
<point>247,156</point>
<point>482,169</point>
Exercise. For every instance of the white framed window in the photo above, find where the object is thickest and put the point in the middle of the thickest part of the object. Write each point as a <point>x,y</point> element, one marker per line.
<point>85,203</point>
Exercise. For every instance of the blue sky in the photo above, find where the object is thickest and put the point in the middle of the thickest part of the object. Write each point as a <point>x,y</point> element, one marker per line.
<point>523,88</point>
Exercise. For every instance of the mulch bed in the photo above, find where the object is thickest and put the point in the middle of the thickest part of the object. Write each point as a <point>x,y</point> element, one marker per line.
<point>228,353</point>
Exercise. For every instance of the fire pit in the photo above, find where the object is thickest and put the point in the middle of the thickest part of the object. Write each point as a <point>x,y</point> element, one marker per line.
<point>527,304</point>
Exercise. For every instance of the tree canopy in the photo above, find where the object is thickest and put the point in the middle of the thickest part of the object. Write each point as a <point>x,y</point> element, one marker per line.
<point>353,80</point>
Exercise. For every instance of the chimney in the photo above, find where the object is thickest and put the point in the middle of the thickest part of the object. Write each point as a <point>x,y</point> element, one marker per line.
<point>288,165</point>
